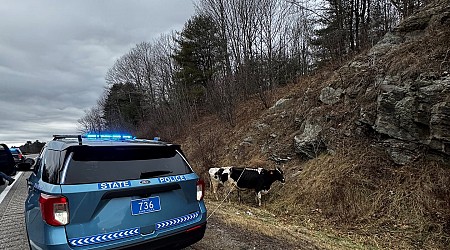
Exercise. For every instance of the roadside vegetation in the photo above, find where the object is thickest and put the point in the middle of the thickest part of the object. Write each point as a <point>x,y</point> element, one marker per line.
<point>32,147</point>
<point>354,195</point>
<point>241,80</point>
<point>230,51</point>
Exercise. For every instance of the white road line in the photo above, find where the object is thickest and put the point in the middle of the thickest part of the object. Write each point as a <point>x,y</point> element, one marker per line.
<point>5,192</point>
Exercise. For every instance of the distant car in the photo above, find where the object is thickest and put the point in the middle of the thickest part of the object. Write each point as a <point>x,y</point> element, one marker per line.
<point>7,164</point>
<point>108,192</point>
<point>17,154</point>
<point>6,160</point>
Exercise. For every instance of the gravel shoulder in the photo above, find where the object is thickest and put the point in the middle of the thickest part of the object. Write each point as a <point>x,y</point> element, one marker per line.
<point>235,226</point>
<point>223,235</point>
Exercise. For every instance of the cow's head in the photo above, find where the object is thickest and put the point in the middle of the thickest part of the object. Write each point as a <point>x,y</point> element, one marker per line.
<point>279,175</point>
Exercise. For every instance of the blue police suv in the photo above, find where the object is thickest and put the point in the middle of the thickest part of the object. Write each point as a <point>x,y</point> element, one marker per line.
<point>113,192</point>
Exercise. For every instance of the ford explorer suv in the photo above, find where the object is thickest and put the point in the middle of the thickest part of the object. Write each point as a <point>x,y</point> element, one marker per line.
<point>113,192</point>
<point>17,154</point>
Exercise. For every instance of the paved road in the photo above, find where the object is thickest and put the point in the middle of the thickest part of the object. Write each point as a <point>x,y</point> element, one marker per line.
<point>12,221</point>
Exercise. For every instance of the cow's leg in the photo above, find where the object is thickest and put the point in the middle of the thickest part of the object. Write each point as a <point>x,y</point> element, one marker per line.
<point>258,198</point>
<point>227,190</point>
<point>215,186</point>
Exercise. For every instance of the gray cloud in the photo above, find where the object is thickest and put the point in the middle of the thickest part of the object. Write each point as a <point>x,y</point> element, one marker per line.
<point>54,56</point>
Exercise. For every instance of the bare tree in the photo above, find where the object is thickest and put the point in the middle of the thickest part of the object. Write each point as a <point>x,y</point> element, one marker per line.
<point>262,44</point>
<point>92,121</point>
<point>407,7</point>
<point>259,37</point>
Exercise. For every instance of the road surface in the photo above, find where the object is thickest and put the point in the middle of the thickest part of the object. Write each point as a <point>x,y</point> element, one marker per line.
<point>12,223</point>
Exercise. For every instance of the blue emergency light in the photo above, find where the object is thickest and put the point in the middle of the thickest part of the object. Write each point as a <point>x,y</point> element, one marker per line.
<point>109,136</point>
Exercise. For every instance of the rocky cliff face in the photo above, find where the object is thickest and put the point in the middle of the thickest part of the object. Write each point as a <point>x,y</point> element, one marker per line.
<point>401,88</point>
<point>365,145</point>
<point>415,115</point>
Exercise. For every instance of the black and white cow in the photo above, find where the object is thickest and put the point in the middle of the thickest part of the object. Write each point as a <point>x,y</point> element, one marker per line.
<point>218,177</point>
<point>258,179</point>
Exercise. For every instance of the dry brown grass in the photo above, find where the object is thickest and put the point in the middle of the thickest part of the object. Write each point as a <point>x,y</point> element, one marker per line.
<point>355,191</point>
<point>358,191</point>
<point>271,225</point>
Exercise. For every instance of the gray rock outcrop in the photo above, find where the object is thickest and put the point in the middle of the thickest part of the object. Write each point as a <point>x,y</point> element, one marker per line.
<point>414,115</point>
<point>330,96</point>
<point>309,144</point>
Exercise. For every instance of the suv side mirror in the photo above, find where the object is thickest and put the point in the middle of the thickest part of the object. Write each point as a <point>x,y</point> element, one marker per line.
<point>30,161</point>
<point>37,164</point>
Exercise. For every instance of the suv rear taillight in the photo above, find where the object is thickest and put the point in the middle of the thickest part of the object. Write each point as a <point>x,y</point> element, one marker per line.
<point>200,189</point>
<point>54,209</point>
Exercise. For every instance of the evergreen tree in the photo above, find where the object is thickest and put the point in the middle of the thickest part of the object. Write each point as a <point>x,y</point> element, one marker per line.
<point>200,56</point>
<point>32,147</point>
<point>347,26</point>
<point>122,108</point>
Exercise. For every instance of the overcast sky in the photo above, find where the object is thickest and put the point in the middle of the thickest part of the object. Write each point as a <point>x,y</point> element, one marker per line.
<point>54,56</point>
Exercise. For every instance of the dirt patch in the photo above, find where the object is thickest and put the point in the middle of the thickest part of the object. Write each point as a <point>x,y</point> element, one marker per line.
<point>238,226</point>
<point>224,235</point>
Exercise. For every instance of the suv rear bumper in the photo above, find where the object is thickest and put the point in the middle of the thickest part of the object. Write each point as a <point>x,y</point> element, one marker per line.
<point>175,241</point>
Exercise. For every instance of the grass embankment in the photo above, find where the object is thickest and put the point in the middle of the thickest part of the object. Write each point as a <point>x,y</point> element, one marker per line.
<point>340,203</point>
<point>301,234</point>
<point>352,194</point>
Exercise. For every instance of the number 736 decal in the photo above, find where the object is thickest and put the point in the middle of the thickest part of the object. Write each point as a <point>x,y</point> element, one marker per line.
<point>146,205</point>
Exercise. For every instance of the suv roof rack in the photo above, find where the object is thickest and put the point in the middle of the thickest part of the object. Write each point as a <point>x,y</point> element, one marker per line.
<point>59,137</point>
<point>156,140</point>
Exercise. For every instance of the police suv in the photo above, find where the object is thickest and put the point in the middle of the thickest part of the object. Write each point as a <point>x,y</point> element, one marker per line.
<point>113,191</point>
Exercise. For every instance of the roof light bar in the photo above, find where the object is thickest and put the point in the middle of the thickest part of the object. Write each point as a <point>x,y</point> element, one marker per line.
<point>109,136</point>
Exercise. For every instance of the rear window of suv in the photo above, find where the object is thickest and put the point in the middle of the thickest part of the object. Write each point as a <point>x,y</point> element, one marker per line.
<point>90,164</point>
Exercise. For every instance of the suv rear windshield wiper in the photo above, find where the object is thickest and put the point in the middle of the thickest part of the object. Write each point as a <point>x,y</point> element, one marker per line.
<point>154,174</point>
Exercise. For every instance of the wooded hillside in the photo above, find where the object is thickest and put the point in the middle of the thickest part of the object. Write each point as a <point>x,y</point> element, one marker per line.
<point>229,51</point>
<point>357,118</point>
